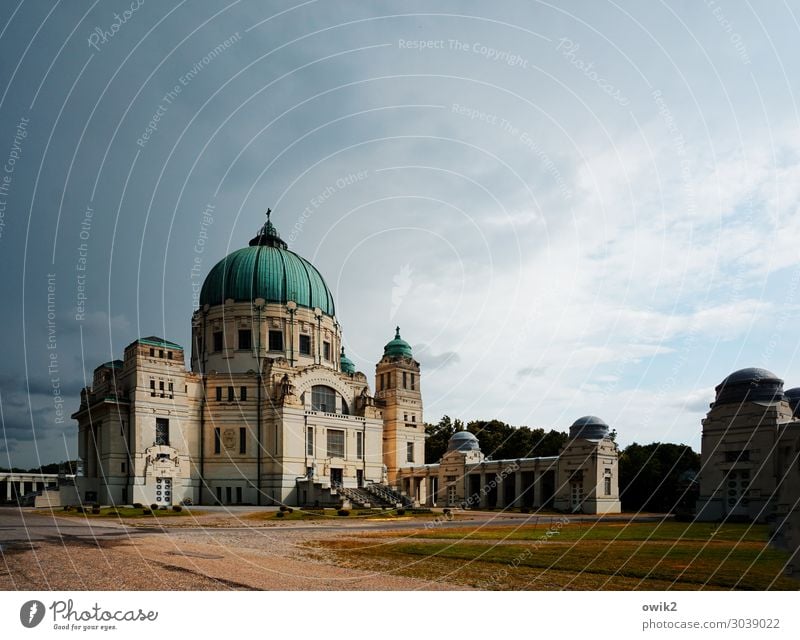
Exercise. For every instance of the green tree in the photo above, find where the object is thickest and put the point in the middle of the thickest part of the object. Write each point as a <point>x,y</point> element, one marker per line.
<point>437,437</point>
<point>652,476</point>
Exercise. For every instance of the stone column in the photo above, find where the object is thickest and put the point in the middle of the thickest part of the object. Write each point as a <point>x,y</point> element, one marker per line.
<point>484,493</point>
<point>500,492</point>
<point>537,489</point>
<point>518,488</point>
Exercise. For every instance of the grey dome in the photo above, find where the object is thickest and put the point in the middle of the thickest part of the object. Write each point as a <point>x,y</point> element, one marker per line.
<point>463,441</point>
<point>792,396</point>
<point>749,385</point>
<point>589,428</point>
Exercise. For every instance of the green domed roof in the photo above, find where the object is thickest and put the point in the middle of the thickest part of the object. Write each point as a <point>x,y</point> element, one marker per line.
<point>397,347</point>
<point>267,269</point>
<point>346,364</point>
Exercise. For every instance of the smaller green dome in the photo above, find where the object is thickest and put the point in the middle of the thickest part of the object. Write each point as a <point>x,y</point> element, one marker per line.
<point>397,347</point>
<point>346,364</point>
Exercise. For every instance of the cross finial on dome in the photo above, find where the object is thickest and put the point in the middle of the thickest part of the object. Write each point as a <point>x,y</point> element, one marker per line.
<point>397,331</point>
<point>269,211</point>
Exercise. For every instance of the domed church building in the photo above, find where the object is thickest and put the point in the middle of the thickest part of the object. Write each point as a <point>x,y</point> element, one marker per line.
<point>272,411</point>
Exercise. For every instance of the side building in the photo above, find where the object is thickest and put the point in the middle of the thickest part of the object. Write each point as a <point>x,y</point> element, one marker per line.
<point>583,478</point>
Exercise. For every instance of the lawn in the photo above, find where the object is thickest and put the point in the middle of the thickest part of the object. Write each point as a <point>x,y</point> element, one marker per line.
<point>127,512</point>
<point>654,556</point>
<point>354,514</point>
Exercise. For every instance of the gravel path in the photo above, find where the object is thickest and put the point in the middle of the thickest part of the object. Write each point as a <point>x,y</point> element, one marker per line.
<point>208,558</point>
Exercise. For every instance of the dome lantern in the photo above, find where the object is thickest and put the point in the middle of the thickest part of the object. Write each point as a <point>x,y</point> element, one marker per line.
<point>397,347</point>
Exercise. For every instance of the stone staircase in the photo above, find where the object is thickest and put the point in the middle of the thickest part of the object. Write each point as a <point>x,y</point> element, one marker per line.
<point>387,497</point>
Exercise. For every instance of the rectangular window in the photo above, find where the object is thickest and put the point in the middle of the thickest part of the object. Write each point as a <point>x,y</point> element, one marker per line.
<point>405,380</point>
<point>737,456</point>
<point>409,452</point>
<point>413,418</point>
<point>152,353</point>
<point>243,394</point>
<point>238,495</point>
<point>413,383</point>
<point>219,495</point>
<point>305,344</point>
<point>219,394</point>
<point>218,341</point>
<point>162,431</point>
<point>171,390</point>
<point>245,339</point>
<point>161,388</point>
<point>276,340</point>
<point>122,467</point>
<point>326,350</point>
<point>153,388</point>
<point>242,440</point>
<point>228,495</point>
<point>405,417</point>
<point>169,355</point>
<point>335,443</point>
<point>217,440</point>
<point>160,353</point>
<point>608,485</point>
<point>231,395</point>
<point>359,445</point>
<point>310,441</point>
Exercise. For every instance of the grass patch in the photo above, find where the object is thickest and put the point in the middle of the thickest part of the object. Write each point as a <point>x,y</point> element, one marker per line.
<point>632,531</point>
<point>320,514</point>
<point>676,556</point>
<point>127,512</point>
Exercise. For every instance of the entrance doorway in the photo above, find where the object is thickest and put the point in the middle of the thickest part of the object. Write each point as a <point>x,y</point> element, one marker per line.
<point>336,476</point>
<point>360,477</point>
<point>576,500</point>
<point>163,491</point>
<point>736,493</point>
<point>451,495</point>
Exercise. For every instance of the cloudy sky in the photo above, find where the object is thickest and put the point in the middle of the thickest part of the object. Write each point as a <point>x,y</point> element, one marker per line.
<point>569,208</point>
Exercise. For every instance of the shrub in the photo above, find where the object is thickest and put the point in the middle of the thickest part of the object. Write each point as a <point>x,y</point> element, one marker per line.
<point>96,511</point>
<point>186,502</point>
<point>525,510</point>
<point>289,510</point>
<point>147,512</point>
<point>447,512</point>
<point>283,507</point>
<point>163,508</point>
<point>343,512</point>
<point>138,505</point>
<point>401,512</point>
<point>280,514</point>
<point>177,508</point>
<point>153,507</point>
<point>67,507</point>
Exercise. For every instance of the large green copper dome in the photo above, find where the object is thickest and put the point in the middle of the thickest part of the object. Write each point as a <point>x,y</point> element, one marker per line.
<point>267,269</point>
<point>397,347</point>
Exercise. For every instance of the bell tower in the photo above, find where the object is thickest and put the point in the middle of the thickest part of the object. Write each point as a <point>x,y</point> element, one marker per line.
<point>397,384</point>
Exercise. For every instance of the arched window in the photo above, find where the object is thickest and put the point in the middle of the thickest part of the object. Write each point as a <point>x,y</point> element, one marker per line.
<point>323,399</point>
